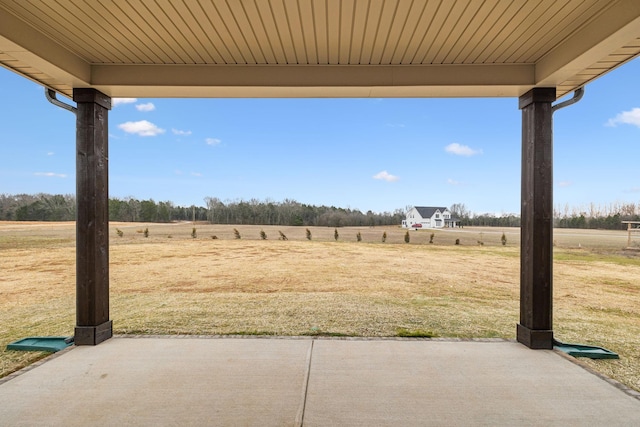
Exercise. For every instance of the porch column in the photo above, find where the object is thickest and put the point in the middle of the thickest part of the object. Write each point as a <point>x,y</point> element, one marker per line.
<point>92,225</point>
<point>536,256</point>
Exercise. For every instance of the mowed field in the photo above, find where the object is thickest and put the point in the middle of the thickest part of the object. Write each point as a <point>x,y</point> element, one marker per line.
<point>173,283</point>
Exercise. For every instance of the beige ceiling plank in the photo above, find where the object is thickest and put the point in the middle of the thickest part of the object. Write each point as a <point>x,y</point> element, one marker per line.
<point>271,30</point>
<point>157,15</point>
<point>509,30</point>
<point>387,18</point>
<point>135,20</point>
<point>82,33</point>
<point>319,19</point>
<point>560,26</point>
<point>374,15</point>
<point>116,36</point>
<point>345,41</point>
<point>463,19</point>
<point>190,28</point>
<point>614,28</point>
<point>305,11</point>
<point>334,17</point>
<point>249,26</point>
<point>30,46</point>
<point>357,31</point>
<point>396,31</point>
<point>283,29</point>
<point>436,17</point>
<point>628,51</point>
<point>126,33</point>
<point>537,22</point>
<point>491,29</point>
<point>54,23</point>
<point>412,31</point>
<point>470,35</point>
<point>297,34</point>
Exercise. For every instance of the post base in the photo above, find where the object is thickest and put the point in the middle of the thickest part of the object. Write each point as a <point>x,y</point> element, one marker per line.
<point>535,339</point>
<point>93,335</point>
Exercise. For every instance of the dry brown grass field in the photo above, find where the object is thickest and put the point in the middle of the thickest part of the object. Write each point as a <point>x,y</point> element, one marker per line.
<point>173,283</point>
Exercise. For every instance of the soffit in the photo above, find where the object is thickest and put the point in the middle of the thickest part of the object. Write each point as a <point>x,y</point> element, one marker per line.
<point>288,48</point>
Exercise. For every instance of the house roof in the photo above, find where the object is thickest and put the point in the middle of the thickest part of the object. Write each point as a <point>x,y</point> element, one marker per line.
<point>428,211</point>
<point>317,48</point>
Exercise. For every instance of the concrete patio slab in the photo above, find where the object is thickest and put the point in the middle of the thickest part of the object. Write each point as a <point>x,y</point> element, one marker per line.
<point>156,382</point>
<point>414,383</point>
<point>312,382</point>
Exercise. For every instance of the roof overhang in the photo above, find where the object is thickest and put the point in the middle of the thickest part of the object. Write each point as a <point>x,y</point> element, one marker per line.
<point>323,48</point>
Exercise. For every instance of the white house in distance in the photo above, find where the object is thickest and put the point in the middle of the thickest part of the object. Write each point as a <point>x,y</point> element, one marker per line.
<point>429,217</point>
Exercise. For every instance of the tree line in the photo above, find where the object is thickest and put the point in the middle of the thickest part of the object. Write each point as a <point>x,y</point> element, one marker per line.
<point>57,207</point>
<point>48,207</point>
<point>291,212</point>
<point>592,216</point>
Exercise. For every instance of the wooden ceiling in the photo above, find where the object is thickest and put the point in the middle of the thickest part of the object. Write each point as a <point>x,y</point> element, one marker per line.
<point>317,48</point>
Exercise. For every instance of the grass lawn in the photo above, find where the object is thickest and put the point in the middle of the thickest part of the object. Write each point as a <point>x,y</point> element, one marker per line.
<point>172,283</point>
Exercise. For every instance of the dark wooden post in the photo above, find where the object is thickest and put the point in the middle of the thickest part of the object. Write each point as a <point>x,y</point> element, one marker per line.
<point>92,225</point>
<point>536,256</point>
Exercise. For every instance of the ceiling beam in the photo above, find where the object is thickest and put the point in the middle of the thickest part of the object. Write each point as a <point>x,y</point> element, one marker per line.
<point>28,45</point>
<point>608,32</point>
<point>312,80</point>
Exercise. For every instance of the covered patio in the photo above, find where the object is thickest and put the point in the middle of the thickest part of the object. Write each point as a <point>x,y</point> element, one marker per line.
<point>536,51</point>
<point>288,381</point>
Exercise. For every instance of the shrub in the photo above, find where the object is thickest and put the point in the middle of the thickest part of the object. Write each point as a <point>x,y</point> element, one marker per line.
<point>335,234</point>
<point>431,237</point>
<point>119,232</point>
<point>384,237</point>
<point>214,237</point>
<point>263,235</point>
<point>236,233</point>
<point>407,238</point>
<point>193,233</point>
<point>503,239</point>
<point>457,241</point>
<point>146,232</point>
<point>359,237</point>
<point>308,234</point>
<point>282,236</point>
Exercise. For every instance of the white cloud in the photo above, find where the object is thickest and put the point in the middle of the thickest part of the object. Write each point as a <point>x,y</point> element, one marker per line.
<point>179,172</point>
<point>118,101</point>
<point>395,125</point>
<point>212,141</point>
<point>51,174</point>
<point>633,190</point>
<point>50,153</point>
<point>141,128</point>
<point>386,176</point>
<point>461,150</point>
<point>146,107</point>
<point>181,132</point>
<point>565,184</point>
<point>196,174</point>
<point>453,182</point>
<point>631,117</point>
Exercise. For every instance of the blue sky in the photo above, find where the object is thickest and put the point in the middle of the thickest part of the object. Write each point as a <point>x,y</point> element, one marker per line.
<point>367,154</point>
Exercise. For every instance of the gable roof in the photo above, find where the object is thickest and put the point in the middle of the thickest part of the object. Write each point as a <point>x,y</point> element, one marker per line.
<point>317,48</point>
<point>428,211</point>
